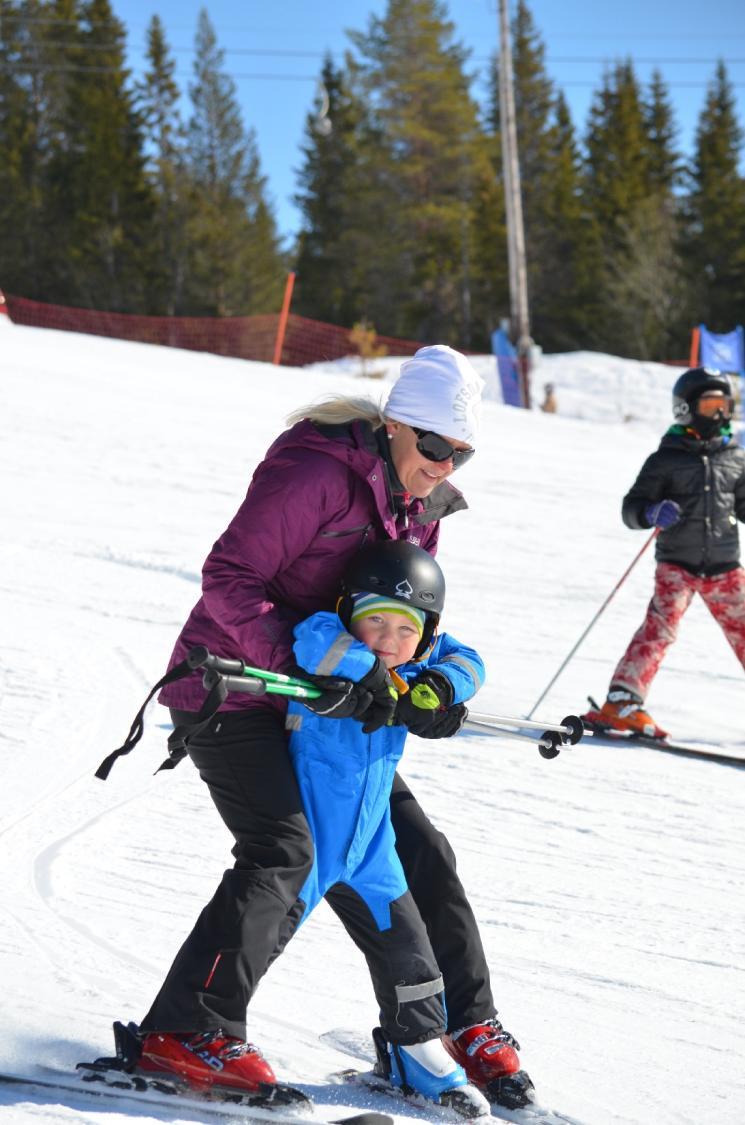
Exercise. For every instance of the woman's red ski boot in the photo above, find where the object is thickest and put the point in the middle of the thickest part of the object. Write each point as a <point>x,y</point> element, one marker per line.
<point>488,1054</point>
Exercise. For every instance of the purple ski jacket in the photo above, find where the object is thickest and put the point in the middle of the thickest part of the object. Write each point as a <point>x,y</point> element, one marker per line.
<point>320,493</point>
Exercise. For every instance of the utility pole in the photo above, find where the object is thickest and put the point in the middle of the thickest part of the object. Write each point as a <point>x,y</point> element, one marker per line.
<point>519,313</point>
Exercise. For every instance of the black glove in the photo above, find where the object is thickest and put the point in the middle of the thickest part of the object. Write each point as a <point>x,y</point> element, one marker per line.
<point>339,698</point>
<point>427,705</point>
<point>384,698</point>
<point>446,723</point>
<point>372,700</point>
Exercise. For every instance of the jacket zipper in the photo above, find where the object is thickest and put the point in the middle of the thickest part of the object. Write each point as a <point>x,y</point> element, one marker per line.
<point>707,506</point>
<point>347,531</point>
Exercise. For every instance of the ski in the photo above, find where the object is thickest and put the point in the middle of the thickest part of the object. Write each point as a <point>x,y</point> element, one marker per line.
<point>157,1092</point>
<point>531,1114</point>
<point>456,1108</point>
<point>367,1117</point>
<point>601,733</point>
<point>160,1094</point>
<point>350,1042</point>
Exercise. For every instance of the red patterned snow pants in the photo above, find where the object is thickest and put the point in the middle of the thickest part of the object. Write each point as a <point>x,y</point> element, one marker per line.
<point>674,588</point>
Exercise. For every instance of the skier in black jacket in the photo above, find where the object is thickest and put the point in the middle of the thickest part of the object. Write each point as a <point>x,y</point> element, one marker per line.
<point>693,489</point>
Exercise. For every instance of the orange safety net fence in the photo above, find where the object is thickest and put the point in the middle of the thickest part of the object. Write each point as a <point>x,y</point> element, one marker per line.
<point>245,337</point>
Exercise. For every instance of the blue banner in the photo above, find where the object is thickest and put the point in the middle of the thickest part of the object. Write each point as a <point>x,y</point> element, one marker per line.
<point>509,376</point>
<point>723,352</point>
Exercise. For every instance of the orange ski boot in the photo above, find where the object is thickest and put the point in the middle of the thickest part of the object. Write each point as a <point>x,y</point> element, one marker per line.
<point>624,711</point>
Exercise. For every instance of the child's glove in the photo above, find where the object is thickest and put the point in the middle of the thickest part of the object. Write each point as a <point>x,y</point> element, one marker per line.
<point>446,723</point>
<point>371,701</point>
<point>339,698</point>
<point>662,515</point>
<point>427,708</point>
<point>384,698</point>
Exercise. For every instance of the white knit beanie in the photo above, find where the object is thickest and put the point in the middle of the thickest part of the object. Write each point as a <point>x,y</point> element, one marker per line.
<point>438,389</point>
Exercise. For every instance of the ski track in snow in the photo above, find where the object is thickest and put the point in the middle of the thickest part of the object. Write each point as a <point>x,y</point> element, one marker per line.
<point>607,882</point>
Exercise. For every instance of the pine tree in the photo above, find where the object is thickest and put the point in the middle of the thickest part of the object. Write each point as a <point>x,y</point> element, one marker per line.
<point>17,153</point>
<point>32,94</point>
<point>426,167</point>
<point>564,304</point>
<point>617,167</point>
<point>488,266</point>
<point>99,202</point>
<point>664,161</point>
<point>534,103</point>
<point>158,97</point>
<point>329,183</point>
<point>236,265</point>
<point>716,210</point>
<point>631,169</point>
<point>646,286</point>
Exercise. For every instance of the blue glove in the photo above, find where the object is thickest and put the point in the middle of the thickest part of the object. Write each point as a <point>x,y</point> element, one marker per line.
<point>663,515</point>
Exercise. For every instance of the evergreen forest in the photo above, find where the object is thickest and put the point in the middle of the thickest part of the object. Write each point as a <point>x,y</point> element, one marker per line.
<point>132,195</point>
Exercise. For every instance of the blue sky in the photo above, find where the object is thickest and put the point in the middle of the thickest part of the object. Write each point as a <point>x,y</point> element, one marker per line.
<point>683,38</point>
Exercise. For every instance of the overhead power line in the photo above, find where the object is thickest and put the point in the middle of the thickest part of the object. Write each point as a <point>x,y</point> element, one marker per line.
<point>76,68</point>
<point>288,53</point>
<point>72,68</point>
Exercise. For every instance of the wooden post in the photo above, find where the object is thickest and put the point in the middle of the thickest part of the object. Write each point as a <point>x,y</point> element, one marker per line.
<point>519,313</point>
<point>695,343</point>
<point>283,318</point>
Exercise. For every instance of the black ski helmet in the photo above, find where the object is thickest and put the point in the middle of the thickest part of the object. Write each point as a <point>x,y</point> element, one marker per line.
<point>401,571</point>
<point>692,384</point>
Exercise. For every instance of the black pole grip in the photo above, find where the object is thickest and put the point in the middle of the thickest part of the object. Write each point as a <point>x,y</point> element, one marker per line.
<point>200,657</point>
<point>249,685</point>
<point>226,667</point>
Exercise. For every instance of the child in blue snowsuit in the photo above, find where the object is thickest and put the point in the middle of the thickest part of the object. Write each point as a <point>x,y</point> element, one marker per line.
<point>345,777</point>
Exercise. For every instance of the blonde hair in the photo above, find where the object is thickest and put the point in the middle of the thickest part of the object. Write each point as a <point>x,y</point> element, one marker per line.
<point>339,409</point>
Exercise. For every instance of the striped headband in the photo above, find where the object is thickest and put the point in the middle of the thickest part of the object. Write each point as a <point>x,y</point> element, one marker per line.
<point>365,605</point>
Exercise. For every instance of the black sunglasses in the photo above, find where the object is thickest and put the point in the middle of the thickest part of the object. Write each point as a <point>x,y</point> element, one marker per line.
<point>436,448</point>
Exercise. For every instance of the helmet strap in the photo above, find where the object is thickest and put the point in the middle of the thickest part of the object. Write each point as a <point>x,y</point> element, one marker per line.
<point>344,609</point>
<point>427,642</point>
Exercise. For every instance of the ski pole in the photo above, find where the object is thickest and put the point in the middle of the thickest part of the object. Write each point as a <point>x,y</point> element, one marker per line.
<point>569,726</point>
<point>239,676</point>
<point>549,743</point>
<point>607,601</point>
<point>256,685</point>
<point>547,747</point>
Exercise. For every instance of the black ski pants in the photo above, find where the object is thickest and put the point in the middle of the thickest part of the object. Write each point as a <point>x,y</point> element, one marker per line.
<point>244,760</point>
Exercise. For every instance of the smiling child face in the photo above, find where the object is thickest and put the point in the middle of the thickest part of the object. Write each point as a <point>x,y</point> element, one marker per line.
<point>391,636</point>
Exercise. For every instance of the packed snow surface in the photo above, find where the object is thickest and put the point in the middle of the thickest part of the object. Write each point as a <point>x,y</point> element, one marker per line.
<point>607,882</point>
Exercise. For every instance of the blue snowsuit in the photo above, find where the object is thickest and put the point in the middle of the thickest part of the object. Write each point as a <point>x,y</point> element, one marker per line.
<point>345,779</point>
<point>345,776</point>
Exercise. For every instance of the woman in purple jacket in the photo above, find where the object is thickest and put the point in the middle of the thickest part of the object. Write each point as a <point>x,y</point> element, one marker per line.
<point>344,474</point>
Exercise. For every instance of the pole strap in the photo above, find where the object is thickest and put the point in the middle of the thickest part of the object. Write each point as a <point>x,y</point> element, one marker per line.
<point>221,677</point>
<point>179,737</point>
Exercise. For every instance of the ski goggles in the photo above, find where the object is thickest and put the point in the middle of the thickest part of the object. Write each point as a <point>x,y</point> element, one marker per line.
<point>709,405</point>
<point>436,448</point>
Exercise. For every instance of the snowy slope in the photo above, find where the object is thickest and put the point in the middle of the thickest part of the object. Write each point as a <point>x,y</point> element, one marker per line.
<point>608,882</point>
